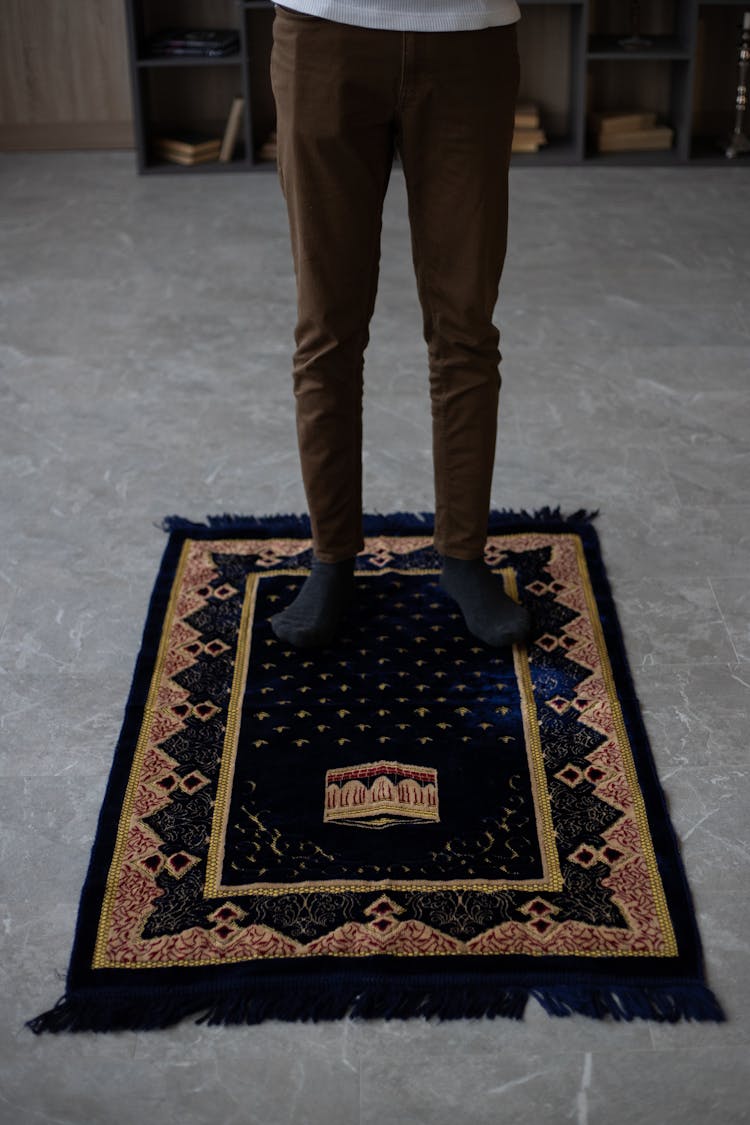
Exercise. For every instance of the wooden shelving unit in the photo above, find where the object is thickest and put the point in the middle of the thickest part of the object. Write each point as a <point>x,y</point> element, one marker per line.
<point>571,64</point>
<point>195,92</point>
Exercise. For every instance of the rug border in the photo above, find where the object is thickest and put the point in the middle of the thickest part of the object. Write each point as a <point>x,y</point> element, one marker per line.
<point>331,989</point>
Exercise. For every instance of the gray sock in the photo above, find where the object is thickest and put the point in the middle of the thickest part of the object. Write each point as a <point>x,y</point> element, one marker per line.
<point>312,620</point>
<point>489,613</point>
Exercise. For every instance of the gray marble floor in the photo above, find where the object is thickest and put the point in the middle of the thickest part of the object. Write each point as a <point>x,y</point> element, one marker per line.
<point>145,369</point>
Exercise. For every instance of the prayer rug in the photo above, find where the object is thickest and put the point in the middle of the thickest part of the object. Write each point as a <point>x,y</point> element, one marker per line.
<point>406,823</point>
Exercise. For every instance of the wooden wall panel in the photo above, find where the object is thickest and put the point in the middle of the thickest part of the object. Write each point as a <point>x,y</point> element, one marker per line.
<point>64,75</point>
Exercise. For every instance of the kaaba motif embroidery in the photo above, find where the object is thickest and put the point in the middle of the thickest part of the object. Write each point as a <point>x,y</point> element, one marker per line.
<point>381,794</point>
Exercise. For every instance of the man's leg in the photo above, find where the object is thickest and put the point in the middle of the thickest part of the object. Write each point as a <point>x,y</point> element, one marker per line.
<point>456,118</point>
<point>333,86</point>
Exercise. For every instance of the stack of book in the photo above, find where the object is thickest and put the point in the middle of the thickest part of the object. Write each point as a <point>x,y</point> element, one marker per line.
<point>629,132</point>
<point>205,42</point>
<point>527,134</point>
<point>268,150</point>
<point>188,146</point>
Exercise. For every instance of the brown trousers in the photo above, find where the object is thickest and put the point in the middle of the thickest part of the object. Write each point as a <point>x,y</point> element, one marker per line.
<point>345,96</point>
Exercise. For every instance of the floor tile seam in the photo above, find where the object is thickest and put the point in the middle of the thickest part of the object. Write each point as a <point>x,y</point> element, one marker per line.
<point>614,561</point>
<point>92,776</point>
<point>727,1040</point>
<point>738,447</point>
<point>643,669</point>
<point>698,509</point>
<point>601,1048</point>
<point>587,1026</point>
<point>674,768</point>
<point>667,772</point>
<point>738,655</point>
<point>657,1029</point>
<point>727,665</point>
<point>677,500</point>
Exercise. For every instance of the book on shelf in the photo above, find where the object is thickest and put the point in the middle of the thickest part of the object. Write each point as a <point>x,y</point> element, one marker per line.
<point>206,42</point>
<point>182,158</point>
<point>528,140</point>
<point>621,122</point>
<point>187,146</point>
<point>659,137</point>
<point>629,132</point>
<point>269,149</point>
<point>527,115</point>
<point>528,136</point>
<point>231,129</point>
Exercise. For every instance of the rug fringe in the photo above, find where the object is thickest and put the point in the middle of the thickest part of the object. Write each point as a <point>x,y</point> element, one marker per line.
<point>545,515</point>
<point>373,523</point>
<point>264,525</point>
<point>661,1003</point>
<point>667,1003</point>
<point>106,1014</point>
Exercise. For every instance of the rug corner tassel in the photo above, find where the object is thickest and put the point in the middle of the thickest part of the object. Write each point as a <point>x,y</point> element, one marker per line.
<point>661,1003</point>
<point>499,518</point>
<point>60,1018</point>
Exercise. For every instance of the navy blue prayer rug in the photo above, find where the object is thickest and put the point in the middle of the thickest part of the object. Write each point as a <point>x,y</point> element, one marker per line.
<point>405,823</point>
